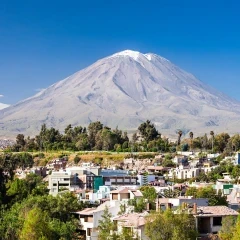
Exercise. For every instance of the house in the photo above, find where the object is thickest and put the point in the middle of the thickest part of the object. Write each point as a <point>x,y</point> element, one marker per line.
<point>162,203</point>
<point>237,158</point>
<point>209,218</point>
<point>141,179</point>
<point>58,181</point>
<point>57,164</point>
<point>182,172</point>
<point>223,186</point>
<point>234,198</point>
<point>153,169</point>
<point>89,218</point>
<point>124,194</point>
<point>40,171</point>
<point>117,178</point>
<point>102,194</point>
<point>133,222</point>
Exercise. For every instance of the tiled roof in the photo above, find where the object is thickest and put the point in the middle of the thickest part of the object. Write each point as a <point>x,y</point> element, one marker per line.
<point>124,190</point>
<point>90,211</point>
<point>137,193</point>
<point>132,220</point>
<point>216,211</point>
<point>87,211</point>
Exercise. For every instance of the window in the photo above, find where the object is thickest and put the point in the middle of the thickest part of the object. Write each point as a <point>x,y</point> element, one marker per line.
<point>88,219</point>
<point>63,184</point>
<point>89,231</point>
<point>114,196</point>
<point>217,221</point>
<point>54,184</point>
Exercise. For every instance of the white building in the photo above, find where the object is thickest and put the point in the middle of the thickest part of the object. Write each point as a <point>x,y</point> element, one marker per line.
<point>60,180</point>
<point>140,179</point>
<point>234,198</point>
<point>161,203</point>
<point>102,193</point>
<point>89,217</point>
<point>184,172</point>
<point>209,218</point>
<point>125,194</point>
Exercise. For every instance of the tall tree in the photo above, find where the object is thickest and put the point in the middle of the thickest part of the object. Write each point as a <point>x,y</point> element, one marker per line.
<point>36,226</point>
<point>179,137</point>
<point>236,233</point>
<point>148,131</point>
<point>105,225</point>
<point>191,139</point>
<point>149,193</point>
<point>212,137</point>
<point>228,228</point>
<point>20,142</point>
<point>93,129</point>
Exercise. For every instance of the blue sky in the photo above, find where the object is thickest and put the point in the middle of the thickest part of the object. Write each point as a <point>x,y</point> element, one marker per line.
<point>42,42</point>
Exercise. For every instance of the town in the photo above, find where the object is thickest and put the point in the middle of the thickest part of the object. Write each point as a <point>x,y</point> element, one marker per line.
<point>120,195</point>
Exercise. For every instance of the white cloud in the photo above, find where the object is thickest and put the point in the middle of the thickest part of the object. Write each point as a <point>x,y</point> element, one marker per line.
<point>1,95</point>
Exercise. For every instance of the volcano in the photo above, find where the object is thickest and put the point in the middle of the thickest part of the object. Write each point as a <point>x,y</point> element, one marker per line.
<point>124,90</point>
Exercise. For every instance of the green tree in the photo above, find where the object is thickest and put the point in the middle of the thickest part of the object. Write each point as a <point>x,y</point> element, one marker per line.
<point>214,199</point>
<point>228,228</point>
<point>235,142</point>
<point>149,193</point>
<point>179,137</point>
<point>139,204</point>
<point>63,230</point>
<point>57,209</point>
<point>17,189</point>
<point>105,225</point>
<point>36,226</point>
<point>148,131</point>
<point>145,178</point>
<point>93,129</point>
<point>167,225</point>
<point>192,191</point>
<point>221,141</point>
<point>83,142</point>
<point>236,232</point>
<point>20,142</point>
<point>212,137</point>
<point>76,159</point>
<point>170,193</point>
<point>191,140</point>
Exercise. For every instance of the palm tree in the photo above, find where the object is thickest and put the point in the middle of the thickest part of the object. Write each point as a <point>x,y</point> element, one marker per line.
<point>179,137</point>
<point>212,134</point>
<point>191,137</point>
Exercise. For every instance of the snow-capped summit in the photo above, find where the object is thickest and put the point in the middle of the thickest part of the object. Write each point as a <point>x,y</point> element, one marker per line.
<point>136,55</point>
<point>127,53</point>
<point>123,90</point>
